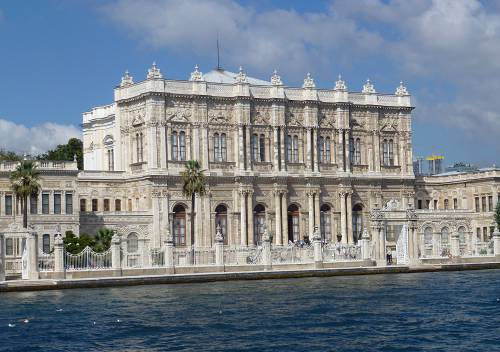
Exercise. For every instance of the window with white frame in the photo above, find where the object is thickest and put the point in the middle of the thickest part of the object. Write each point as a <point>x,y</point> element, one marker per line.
<point>355,151</point>
<point>139,143</point>
<point>324,150</point>
<point>388,152</point>
<point>220,147</point>
<point>292,148</point>
<point>179,145</point>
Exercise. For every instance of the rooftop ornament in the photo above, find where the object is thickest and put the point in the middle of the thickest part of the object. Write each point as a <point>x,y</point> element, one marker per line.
<point>154,72</point>
<point>401,90</point>
<point>368,87</point>
<point>241,77</point>
<point>309,82</point>
<point>276,79</point>
<point>196,75</point>
<point>340,84</point>
<point>127,80</point>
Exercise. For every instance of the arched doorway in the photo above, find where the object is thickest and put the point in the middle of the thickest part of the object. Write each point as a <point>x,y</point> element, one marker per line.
<point>357,222</point>
<point>293,223</point>
<point>221,220</point>
<point>179,225</point>
<point>259,222</point>
<point>428,242</point>
<point>326,222</point>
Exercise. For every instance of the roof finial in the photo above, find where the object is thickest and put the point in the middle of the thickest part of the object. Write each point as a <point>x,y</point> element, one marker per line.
<point>241,77</point>
<point>401,90</point>
<point>127,80</point>
<point>154,72</point>
<point>340,84</point>
<point>368,87</point>
<point>308,82</point>
<point>196,75</point>
<point>276,79</point>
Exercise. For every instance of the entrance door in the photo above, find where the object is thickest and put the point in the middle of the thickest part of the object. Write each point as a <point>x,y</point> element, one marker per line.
<point>179,225</point>
<point>293,223</point>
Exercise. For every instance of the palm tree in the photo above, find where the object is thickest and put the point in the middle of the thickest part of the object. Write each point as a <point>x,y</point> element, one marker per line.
<point>193,183</point>
<point>25,182</point>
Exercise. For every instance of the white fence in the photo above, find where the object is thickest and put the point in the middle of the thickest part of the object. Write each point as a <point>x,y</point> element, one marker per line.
<point>242,255</point>
<point>292,254</point>
<point>88,260</point>
<point>336,252</point>
<point>46,261</point>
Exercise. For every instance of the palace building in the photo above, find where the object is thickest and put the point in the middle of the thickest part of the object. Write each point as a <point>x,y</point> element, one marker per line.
<point>276,158</point>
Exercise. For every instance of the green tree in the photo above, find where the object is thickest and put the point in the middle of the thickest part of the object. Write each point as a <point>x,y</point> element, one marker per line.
<point>66,152</point>
<point>6,155</point>
<point>497,214</point>
<point>103,240</point>
<point>25,182</point>
<point>75,244</point>
<point>193,183</point>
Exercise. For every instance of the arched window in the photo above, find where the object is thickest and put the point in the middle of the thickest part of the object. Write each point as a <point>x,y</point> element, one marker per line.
<point>445,236</point>
<point>223,147</point>
<point>132,243</point>
<point>255,147</point>
<point>295,149</point>
<point>357,222</point>
<point>46,243</point>
<point>321,149</point>
<point>182,145</point>
<point>328,155</point>
<point>326,222</point>
<point>259,221</point>
<point>175,149</point>
<point>293,223</point>
<point>179,225</point>
<point>221,220</point>
<point>428,243</point>
<point>217,150</point>
<point>262,148</point>
<point>111,159</point>
<point>461,234</point>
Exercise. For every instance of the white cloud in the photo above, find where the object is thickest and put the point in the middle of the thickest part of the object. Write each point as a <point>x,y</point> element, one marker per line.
<point>451,47</point>
<point>37,139</point>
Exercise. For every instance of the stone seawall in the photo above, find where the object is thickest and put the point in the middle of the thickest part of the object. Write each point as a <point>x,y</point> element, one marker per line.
<point>36,285</point>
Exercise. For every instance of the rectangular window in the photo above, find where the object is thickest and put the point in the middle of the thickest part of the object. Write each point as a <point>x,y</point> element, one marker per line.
<point>419,202</point>
<point>485,234</point>
<point>33,205</point>
<point>83,205</point>
<point>478,233</point>
<point>483,204</point>
<point>476,200</point>
<point>455,203</point>
<point>446,204</point>
<point>106,204</point>
<point>118,205</point>
<point>490,203</point>
<point>427,203</point>
<point>435,204</point>
<point>8,205</point>
<point>69,203</point>
<point>9,246</point>
<point>492,229</point>
<point>45,203</point>
<point>57,203</point>
<point>94,205</point>
<point>129,205</point>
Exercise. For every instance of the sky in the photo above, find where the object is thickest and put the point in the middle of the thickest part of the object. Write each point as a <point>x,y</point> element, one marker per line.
<point>59,59</point>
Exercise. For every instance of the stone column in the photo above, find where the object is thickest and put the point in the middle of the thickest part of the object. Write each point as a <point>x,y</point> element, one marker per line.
<point>341,157</point>
<point>496,242</point>
<point>2,257</point>
<point>219,249</point>
<point>365,245</point>
<point>350,238</point>
<point>248,149</point>
<point>277,206</point>
<point>377,150</point>
<point>347,152</point>
<point>317,215</point>
<point>282,148</point>
<point>284,219</point>
<point>250,230</point>
<point>276,148</point>
<point>310,197</point>
<point>315,149</point>
<point>59,270</point>
<point>382,249</point>
<point>32,260</point>
<point>116,260</point>
<point>318,254</point>
<point>266,251</point>
<point>163,148</point>
<point>243,218</point>
<point>343,225</point>
<point>455,245</point>
<point>169,254</point>
<point>308,157</point>
<point>153,148</point>
<point>410,243</point>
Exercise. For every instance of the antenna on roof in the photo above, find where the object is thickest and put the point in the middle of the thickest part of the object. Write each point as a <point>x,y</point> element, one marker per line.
<point>218,58</point>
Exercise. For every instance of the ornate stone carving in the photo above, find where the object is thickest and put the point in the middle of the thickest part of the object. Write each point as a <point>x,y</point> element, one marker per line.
<point>401,90</point>
<point>309,82</point>
<point>276,79</point>
<point>241,77</point>
<point>127,80</point>
<point>392,205</point>
<point>154,72</point>
<point>368,87</point>
<point>178,115</point>
<point>196,75</point>
<point>340,85</point>
<point>218,118</point>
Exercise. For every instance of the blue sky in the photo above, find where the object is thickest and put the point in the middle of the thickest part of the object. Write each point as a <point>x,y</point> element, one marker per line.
<point>61,58</point>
